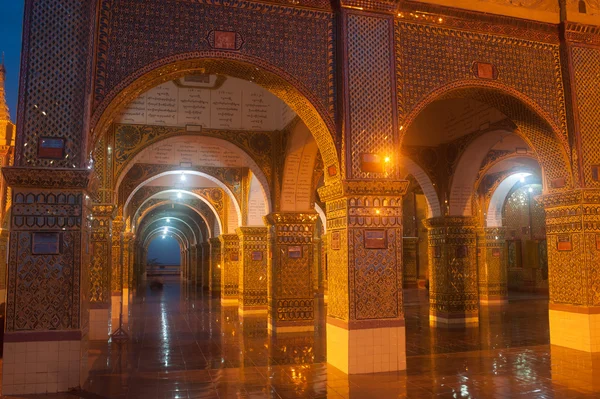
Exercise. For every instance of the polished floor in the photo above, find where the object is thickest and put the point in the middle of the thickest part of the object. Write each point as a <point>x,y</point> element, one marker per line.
<point>183,344</point>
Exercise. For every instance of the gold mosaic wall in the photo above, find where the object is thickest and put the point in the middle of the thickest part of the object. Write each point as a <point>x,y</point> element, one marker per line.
<point>453,288</point>
<point>230,264</point>
<point>253,266</point>
<point>214,282</point>
<point>290,268</point>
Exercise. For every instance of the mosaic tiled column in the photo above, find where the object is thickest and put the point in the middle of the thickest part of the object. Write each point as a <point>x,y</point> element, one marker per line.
<point>453,293</point>
<point>573,234</point>
<point>291,293</point>
<point>4,234</point>
<point>409,253</point>
<point>214,282</point>
<point>116,280</point>
<point>252,297</point>
<point>230,264</point>
<point>205,265</point>
<point>100,272</point>
<point>365,319</point>
<point>323,254</point>
<point>492,266</point>
<point>47,310</point>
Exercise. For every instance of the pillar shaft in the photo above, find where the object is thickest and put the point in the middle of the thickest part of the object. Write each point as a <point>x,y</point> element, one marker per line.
<point>205,265</point>
<point>230,264</point>
<point>409,253</point>
<point>100,272</point>
<point>365,319</point>
<point>453,292</point>
<point>253,269</point>
<point>290,272</point>
<point>48,264</point>
<point>573,236</point>
<point>214,282</point>
<point>492,265</point>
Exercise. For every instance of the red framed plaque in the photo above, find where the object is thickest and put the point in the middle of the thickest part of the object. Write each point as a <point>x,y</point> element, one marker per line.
<point>563,243</point>
<point>234,257</point>
<point>225,40</point>
<point>295,252</point>
<point>371,163</point>
<point>257,255</point>
<point>45,244</point>
<point>51,148</point>
<point>496,252</point>
<point>375,239</point>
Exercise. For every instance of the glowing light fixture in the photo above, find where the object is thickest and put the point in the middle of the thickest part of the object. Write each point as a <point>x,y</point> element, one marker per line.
<point>179,195</point>
<point>168,220</point>
<point>183,177</point>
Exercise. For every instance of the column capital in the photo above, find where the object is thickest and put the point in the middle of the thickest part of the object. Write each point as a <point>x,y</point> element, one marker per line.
<point>281,218</point>
<point>244,232</point>
<point>352,188</point>
<point>451,221</point>
<point>63,179</point>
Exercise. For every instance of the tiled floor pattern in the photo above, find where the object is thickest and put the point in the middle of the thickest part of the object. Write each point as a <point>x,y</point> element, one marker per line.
<point>184,345</point>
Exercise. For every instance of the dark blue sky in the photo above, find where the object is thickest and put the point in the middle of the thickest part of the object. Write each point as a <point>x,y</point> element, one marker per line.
<point>11,26</point>
<point>166,251</point>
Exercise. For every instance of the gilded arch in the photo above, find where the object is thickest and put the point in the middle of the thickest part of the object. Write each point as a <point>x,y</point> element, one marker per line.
<point>275,80</point>
<point>200,208</point>
<point>532,124</point>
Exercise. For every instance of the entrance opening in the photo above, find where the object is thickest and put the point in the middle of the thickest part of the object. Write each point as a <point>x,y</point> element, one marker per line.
<point>164,257</point>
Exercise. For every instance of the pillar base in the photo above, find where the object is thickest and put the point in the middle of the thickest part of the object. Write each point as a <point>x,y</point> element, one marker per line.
<point>576,370</point>
<point>229,301</point>
<point>575,327</point>
<point>493,300</point>
<point>283,327</point>
<point>44,362</point>
<point>374,347</point>
<point>99,322</point>
<point>442,319</point>
<point>252,310</point>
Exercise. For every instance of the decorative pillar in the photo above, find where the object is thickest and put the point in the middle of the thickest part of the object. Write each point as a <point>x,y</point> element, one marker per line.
<point>365,320</point>
<point>253,269</point>
<point>291,298</point>
<point>48,291</point>
<point>116,280</point>
<point>453,294</point>
<point>410,247</point>
<point>214,282</point>
<point>205,265</point>
<point>230,264</point>
<point>100,272</point>
<point>323,254</point>
<point>573,236</point>
<point>4,235</point>
<point>492,266</point>
<point>127,267</point>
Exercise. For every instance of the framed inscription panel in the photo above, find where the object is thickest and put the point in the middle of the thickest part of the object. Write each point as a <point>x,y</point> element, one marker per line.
<point>257,255</point>
<point>375,239</point>
<point>45,244</point>
<point>437,252</point>
<point>462,251</point>
<point>295,252</point>
<point>496,252</point>
<point>335,241</point>
<point>563,243</point>
<point>234,257</point>
<point>51,148</point>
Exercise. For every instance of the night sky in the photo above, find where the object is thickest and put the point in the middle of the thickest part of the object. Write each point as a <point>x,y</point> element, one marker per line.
<point>11,25</point>
<point>166,251</point>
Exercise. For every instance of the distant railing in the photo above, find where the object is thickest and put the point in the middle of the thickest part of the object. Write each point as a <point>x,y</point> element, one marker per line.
<point>163,270</point>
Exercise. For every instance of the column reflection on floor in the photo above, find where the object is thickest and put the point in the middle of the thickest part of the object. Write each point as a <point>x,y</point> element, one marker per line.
<point>184,344</point>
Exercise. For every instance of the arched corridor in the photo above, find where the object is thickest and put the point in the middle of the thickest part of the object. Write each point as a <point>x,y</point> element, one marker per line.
<point>302,198</point>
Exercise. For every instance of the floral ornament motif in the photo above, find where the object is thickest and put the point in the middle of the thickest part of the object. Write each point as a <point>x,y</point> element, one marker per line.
<point>261,143</point>
<point>128,136</point>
